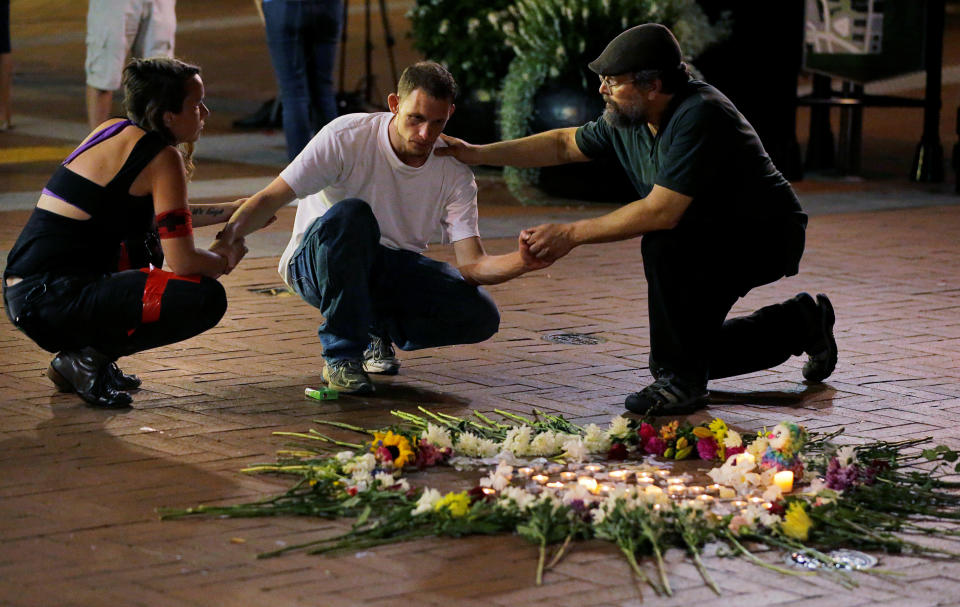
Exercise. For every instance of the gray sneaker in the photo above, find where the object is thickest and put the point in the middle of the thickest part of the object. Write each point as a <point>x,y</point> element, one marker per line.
<point>347,376</point>
<point>379,357</point>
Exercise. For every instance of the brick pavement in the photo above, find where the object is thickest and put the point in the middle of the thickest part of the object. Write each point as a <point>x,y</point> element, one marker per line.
<point>80,486</point>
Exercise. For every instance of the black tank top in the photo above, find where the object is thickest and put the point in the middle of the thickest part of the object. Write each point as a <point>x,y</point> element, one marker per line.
<point>54,243</point>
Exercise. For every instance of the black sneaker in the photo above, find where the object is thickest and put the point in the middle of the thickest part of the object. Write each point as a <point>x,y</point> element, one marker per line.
<point>379,357</point>
<point>666,397</point>
<point>347,376</point>
<point>823,354</point>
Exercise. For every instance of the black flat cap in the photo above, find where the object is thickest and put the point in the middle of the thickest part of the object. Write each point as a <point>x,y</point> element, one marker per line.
<point>650,46</point>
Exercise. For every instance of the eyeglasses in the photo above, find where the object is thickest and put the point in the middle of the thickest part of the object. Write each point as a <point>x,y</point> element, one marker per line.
<point>608,82</point>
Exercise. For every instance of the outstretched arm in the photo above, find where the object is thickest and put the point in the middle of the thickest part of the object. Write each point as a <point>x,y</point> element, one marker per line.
<point>478,268</point>
<point>660,210</point>
<point>558,146</point>
<point>257,211</point>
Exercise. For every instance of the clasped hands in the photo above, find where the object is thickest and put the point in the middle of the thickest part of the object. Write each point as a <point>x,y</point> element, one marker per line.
<point>541,245</point>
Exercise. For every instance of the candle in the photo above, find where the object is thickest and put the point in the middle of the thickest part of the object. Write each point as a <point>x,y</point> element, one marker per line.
<point>568,476</point>
<point>540,478</point>
<point>653,490</point>
<point>488,491</point>
<point>619,475</point>
<point>784,480</point>
<point>676,489</point>
<point>695,490</point>
<point>714,488</point>
<point>727,493</point>
<point>705,498</point>
<point>675,480</point>
<point>756,500</point>
<point>644,480</point>
<point>739,503</point>
<point>662,473</point>
<point>525,471</point>
<point>588,482</point>
<point>556,485</point>
<point>605,488</point>
<point>593,467</point>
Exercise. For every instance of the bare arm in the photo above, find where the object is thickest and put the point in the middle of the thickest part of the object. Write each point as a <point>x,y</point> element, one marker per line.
<point>478,268</point>
<point>549,148</point>
<point>210,214</point>
<point>257,211</point>
<point>169,189</point>
<point>660,210</point>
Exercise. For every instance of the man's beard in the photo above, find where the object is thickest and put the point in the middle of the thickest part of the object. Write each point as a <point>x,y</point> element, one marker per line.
<point>621,117</point>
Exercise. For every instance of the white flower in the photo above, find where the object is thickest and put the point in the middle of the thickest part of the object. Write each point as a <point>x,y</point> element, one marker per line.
<point>619,427</point>
<point>444,26</point>
<point>492,18</point>
<point>846,456</point>
<point>476,446</point>
<point>426,501</point>
<point>574,449</point>
<point>499,479</point>
<point>402,485</point>
<point>437,436</point>
<point>732,439</point>
<point>596,439</point>
<point>345,456</point>
<point>773,493</point>
<point>472,25</point>
<point>522,499</point>
<point>385,479</point>
<point>365,462</point>
<point>577,492</point>
<point>546,443</point>
<point>517,440</point>
<point>816,486</point>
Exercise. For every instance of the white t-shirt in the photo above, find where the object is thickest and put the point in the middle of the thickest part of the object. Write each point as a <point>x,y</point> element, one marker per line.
<point>351,157</point>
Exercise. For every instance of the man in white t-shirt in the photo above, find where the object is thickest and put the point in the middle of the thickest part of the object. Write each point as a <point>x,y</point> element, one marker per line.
<point>371,195</point>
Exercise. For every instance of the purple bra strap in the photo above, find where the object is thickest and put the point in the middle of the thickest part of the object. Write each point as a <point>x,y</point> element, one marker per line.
<point>106,133</point>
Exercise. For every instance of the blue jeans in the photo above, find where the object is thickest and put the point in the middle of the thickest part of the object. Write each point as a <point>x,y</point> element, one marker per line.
<point>302,36</point>
<point>362,287</point>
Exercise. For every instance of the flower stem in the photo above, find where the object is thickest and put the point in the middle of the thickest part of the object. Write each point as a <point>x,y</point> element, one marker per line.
<point>559,553</point>
<point>543,556</point>
<point>757,561</point>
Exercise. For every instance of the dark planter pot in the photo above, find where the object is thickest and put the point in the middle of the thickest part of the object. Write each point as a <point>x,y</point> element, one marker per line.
<point>475,119</point>
<point>559,106</point>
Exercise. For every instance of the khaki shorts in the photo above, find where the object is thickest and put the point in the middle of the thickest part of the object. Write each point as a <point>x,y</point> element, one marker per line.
<point>143,28</point>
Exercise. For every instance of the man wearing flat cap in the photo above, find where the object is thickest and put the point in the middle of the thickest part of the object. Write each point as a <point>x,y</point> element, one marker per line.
<point>716,216</point>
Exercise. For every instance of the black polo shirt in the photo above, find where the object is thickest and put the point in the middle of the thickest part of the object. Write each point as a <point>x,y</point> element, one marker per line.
<point>704,149</point>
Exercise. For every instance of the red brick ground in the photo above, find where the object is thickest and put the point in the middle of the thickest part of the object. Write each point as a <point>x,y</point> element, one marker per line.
<point>80,486</point>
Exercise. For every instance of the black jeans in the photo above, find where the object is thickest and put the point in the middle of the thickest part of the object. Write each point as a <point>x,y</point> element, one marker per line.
<point>360,285</point>
<point>695,276</point>
<point>106,312</point>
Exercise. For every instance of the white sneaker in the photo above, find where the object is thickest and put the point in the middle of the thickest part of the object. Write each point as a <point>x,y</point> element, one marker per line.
<point>379,357</point>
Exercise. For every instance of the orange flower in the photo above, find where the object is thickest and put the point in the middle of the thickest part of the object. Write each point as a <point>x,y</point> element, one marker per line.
<point>670,430</point>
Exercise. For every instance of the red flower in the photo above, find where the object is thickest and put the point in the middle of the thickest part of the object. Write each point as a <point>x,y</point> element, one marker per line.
<point>735,450</point>
<point>707,448</point>
<point>655,446</point>
<point>617,451</point>
<point>646,432</point>
<point>352,491</point>
<point>429,455</point>
<point>778,508</point>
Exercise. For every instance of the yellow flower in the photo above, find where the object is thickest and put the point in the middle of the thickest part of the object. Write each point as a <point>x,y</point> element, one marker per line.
<point>796,522</point>
<point>397,444</point>
<point>682,443</point>
<point>718,427</point>
<point>670,430</point>
<point>458,504</point>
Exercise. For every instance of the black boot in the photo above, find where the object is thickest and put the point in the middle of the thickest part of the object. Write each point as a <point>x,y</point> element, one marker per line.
<point>86,373</point>
<point>120,380</point>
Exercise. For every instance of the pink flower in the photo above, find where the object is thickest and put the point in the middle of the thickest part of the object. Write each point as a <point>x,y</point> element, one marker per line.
<point>646,432</point>
<point>429,455</point>
<point>384,455</point>
<point>655,446</point>
<point>707,448</point>
<point>617,451</point>
<point>735,450</point>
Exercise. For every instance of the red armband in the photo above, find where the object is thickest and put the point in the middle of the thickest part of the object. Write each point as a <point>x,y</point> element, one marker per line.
<point>175,224</point>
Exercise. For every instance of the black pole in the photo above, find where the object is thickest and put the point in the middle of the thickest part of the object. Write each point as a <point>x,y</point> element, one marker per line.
<point>928,160</point>
<point>390,42</point>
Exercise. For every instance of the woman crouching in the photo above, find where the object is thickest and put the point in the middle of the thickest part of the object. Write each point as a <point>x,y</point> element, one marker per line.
<point>84,278</point>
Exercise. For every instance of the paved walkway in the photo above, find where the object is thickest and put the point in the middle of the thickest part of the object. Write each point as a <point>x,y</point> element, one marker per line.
<point>80,487</point>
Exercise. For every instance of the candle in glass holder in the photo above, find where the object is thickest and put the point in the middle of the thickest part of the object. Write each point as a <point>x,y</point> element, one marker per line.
<point>604,488</point>
<point>784,480</point>
<point>662,473</point>
<point>593,467</point>
<point>714,488</point>
<point>525,471</point>
<point>676,489</point>
<point>642,479</point>
<point>568,476</point>
<point>540,478</point>
<point>695,490</point>
<point>675,480</point>
<point>619,475</point>
<point>488,491</point>
<point>756,500</point>
<point>705,498</point>
<point>556,485</point>
<point>738,503</point>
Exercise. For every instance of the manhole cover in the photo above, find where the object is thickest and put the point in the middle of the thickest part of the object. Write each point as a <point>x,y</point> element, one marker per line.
<point>277,291</point>
<point>574,339</point>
